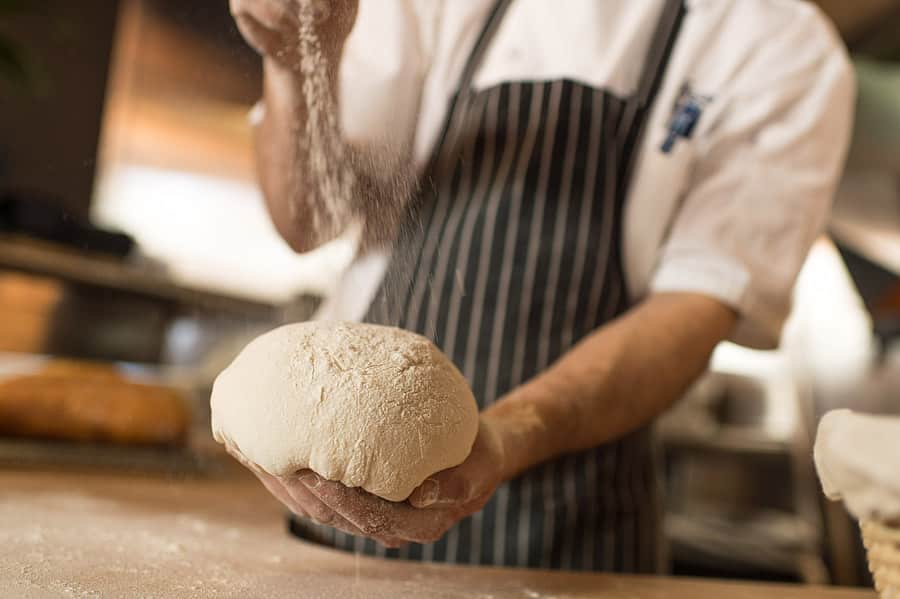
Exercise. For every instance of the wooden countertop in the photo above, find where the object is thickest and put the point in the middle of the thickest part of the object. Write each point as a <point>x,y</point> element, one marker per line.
<point>65,534</point>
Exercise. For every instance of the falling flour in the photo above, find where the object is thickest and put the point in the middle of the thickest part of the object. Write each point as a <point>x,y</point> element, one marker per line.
<point>344,183</point>
<point>331,178</point>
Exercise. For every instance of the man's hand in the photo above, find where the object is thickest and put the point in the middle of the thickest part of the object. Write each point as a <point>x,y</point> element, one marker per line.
<point>432,508</point>
<point>611,383</point>
<point>272,26</point>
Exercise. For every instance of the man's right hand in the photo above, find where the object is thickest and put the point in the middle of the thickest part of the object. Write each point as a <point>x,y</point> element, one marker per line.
<point>272,26</point>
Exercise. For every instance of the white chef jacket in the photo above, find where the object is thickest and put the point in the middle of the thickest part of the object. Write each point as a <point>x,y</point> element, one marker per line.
<point>729,213</point>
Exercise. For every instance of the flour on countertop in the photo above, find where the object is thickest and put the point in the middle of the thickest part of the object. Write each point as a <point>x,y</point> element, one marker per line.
<point>70,535</point>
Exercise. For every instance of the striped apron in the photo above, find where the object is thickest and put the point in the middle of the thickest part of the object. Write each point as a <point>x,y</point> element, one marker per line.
<point>512,254</point>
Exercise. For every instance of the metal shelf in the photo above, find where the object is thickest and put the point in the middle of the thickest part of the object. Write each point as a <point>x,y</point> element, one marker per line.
<point>46,259</point>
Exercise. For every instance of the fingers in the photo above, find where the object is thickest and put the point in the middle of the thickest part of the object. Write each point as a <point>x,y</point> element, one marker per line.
<point>352,511</point>
<point>280,493</point>
<point>270,482</point>
<point>379,518</point>
<point>367,512</point>
<point>272,14</point>
<point>447,489</point>
<point>427,494</point>
<point>466,484</point>
<point>302,503</point>
<point>297,498</point>
<point>263,40</point>
<point>269,26</point>
<point>316,509</point>
<point>236,454</point>
<point>320,513</point>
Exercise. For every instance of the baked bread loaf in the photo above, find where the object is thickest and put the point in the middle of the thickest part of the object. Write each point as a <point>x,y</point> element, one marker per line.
<point>80,369</point>
<point>75,401</point>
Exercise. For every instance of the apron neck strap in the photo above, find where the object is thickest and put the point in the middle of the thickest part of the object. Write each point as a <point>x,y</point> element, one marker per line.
<point>495,17</point>
<point>650,82</point>
<point>457,107</point>
<point>654,65</point>
<point>660,51</point>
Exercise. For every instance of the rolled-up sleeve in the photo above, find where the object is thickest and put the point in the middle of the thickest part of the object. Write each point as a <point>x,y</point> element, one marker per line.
<point>763,181</point>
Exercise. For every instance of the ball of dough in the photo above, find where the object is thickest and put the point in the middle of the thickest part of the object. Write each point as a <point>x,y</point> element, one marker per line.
<point>370,406</point>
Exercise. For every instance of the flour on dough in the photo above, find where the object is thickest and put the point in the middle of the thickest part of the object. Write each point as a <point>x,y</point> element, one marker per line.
<point>370,406</point>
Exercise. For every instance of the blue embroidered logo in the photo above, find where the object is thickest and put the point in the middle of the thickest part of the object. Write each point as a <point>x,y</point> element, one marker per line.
<point>685,116</point>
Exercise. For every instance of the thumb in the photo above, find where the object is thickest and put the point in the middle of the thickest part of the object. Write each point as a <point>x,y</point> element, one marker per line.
<point>443,490</point>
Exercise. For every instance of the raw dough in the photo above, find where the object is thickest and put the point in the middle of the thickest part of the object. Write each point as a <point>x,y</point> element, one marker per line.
<point>858,459</point>
<point>370,406</point>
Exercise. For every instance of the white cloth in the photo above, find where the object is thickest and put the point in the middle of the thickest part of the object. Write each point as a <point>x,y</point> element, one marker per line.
<point>730,213</point>
<point>858,459</point>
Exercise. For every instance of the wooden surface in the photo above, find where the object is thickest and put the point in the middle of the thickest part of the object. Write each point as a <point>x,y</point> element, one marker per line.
<point>89,535</point>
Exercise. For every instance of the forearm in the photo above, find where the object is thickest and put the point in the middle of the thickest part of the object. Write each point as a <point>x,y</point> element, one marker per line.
<point>613,382</point>
<point>282,159</point>
<point>305,167</point>
<point>381,182</point>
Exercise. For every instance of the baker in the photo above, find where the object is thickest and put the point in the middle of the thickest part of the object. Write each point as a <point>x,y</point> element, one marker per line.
<point>606,190</point>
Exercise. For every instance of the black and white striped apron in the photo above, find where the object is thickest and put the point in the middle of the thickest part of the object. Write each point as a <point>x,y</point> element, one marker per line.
<point>512,255</point>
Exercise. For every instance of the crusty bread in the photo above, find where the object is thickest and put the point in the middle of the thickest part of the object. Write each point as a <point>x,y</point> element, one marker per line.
<point>80,369</point>
<point>91,402</point>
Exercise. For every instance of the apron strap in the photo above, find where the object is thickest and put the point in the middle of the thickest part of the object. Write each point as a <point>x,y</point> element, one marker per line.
<point>660,51</point>
<point>648,85</point>
<point>483,42</point>
<point>457,109</point>
<point>655,65</point>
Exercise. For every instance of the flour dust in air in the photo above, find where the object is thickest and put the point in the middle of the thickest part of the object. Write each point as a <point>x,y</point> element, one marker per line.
<point>332,180</point>
<point>372,186</point>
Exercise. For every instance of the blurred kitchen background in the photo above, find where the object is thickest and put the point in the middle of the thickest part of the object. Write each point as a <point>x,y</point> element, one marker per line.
<point>132,231</point>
